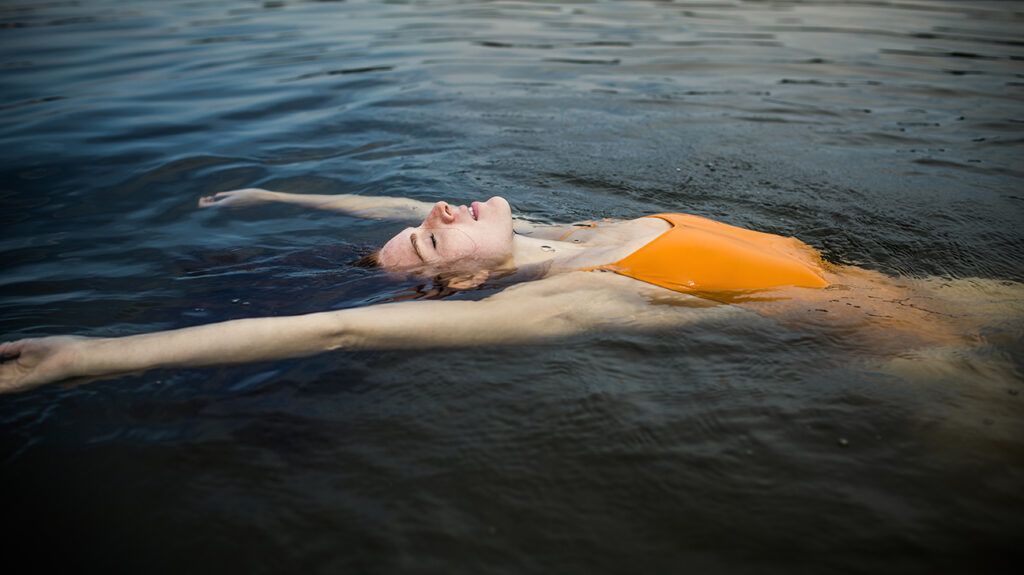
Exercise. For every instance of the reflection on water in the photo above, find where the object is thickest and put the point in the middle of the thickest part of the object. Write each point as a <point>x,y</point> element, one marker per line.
<point>887,134</point>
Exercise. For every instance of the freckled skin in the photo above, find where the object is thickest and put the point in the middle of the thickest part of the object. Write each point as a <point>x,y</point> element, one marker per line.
<point>451,237</point>
<point>889,314</point>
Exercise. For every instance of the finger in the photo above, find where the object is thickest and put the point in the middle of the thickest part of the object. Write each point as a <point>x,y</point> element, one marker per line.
<point>11,349</point>
<point>219,197</point>
<point>208,201</point>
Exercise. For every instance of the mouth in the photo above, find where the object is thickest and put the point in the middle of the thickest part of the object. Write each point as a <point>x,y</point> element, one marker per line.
<point>474,210</point>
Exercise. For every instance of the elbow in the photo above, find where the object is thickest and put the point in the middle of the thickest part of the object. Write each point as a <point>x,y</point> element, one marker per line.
<point>336,331</point>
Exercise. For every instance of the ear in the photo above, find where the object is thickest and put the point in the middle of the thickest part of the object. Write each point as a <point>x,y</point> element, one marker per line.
<point>468,281</point>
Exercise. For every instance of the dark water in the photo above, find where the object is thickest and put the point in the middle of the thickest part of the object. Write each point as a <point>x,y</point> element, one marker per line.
<point>887,134</point>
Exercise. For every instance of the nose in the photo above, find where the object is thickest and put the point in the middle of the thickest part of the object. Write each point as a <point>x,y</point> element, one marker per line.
<point>444,212</point>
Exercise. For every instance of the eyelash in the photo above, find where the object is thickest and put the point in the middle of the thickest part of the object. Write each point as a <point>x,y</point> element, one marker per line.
<point>433,241</point>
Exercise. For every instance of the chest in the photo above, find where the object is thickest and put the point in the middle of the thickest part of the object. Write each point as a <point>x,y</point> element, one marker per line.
<point>610,241</point>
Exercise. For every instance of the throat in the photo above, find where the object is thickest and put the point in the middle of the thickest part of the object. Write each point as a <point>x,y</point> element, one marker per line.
<point>532,251</point>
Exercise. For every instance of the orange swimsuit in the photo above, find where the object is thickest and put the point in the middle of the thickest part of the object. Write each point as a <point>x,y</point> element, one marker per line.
<point>698,254</point>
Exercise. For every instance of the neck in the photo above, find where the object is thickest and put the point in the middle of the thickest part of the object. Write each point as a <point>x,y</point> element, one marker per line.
<point>529,251</point>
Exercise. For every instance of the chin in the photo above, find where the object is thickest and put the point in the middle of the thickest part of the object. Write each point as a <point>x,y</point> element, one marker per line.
<point>501,204</point>
<point>499,200</point>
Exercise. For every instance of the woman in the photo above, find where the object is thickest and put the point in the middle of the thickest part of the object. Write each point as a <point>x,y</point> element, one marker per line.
<point>660,269</point>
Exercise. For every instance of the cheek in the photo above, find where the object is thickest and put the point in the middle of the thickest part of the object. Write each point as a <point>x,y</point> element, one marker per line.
<point>462,245</point>
<point>483,247</point>
<point>456,244</point>
<point>461,251</point>
<point>495,245</point>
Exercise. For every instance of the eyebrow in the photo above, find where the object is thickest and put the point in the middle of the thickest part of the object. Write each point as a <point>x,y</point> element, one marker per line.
<point>416,248</point>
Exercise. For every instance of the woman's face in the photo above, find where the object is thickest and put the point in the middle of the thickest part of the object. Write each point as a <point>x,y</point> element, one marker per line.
<point>454,238</point>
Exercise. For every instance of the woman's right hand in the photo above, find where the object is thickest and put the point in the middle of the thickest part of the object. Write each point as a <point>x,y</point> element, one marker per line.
<point>29,363</point>
<point>237,198</point>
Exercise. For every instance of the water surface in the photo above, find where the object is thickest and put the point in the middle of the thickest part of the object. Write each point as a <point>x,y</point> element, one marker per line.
<point>886,134</point>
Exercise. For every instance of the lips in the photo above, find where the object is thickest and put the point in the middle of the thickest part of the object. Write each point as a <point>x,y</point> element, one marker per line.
<point>474,210</point>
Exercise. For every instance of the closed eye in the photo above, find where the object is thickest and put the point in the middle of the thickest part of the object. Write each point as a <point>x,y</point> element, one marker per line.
<point>433,241</point>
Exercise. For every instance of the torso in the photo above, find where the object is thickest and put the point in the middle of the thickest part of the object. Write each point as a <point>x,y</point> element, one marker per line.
<point>865,304</point>
<point>687,253</point>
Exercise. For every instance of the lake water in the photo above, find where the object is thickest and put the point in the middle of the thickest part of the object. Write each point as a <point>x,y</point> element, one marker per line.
<point>886,134</point>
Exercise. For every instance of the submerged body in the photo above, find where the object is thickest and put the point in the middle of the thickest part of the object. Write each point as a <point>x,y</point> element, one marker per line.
<point>664,267</point>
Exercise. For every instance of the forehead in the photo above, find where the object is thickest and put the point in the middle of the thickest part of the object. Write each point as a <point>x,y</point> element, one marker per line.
<point>398,252</point>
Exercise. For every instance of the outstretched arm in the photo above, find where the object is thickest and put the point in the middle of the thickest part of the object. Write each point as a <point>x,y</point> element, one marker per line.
<point>358,206</point>
<point>384,207</point>
<point>515,316</point>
